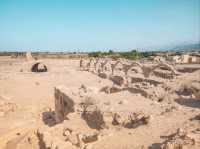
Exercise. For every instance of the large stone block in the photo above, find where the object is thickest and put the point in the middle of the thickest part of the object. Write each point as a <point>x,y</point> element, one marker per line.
<point>64,103</point>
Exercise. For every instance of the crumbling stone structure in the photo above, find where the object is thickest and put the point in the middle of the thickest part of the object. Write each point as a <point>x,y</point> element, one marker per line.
<point>130,120</point>
<point>39,67</point>
<point>64,103</point>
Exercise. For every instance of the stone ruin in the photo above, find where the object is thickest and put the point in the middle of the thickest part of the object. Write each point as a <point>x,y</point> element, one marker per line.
<point>38,67</point>
<point>81,120</point>
<point>126,66</point>
<point>66,133</point>
<point>155,88</point>
<point>122,80</point>
<point>130,120</point>
<point>64,136</point>
<point>80,103</point>
<point>192,88</point>
<point>68,101</point>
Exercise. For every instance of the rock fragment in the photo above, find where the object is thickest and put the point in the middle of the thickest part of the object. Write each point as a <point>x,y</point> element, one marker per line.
<point>90,137</point>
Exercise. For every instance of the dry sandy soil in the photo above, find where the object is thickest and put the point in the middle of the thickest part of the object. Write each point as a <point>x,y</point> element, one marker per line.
<point>166,112</point>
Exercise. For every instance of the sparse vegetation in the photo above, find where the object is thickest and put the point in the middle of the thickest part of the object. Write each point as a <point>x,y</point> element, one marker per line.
<point>132,55</point>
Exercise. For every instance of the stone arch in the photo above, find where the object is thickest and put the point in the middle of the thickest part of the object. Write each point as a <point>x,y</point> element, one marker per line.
<point>113,66</point>
<point>130,66</point>
<point>165,65</point>
<point>107,67</point>
<point>164,75</point>
<point>102,65</point>
<point>147,70</point>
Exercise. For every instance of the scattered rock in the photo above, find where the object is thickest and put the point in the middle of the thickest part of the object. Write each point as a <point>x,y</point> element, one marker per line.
<point>131,120</point>
<point>182,139</point>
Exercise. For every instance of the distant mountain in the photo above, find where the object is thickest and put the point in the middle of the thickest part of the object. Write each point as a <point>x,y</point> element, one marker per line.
<point>185,47</point>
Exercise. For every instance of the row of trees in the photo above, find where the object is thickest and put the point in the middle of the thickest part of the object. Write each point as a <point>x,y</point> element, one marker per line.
<point>133,55</point>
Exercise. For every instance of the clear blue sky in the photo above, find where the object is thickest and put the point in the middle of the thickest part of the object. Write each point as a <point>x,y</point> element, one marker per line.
<point>97,24</point>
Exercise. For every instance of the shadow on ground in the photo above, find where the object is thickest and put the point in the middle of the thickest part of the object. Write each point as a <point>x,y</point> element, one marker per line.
<point>155,146</point>
<point>48,118</point>
<point>188,102</point>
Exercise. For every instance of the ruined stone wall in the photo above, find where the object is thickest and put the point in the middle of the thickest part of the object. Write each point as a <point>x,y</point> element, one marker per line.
<point>64,103</point>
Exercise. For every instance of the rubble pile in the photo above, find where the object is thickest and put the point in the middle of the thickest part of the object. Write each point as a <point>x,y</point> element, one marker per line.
<point>62,136</point>
<point>182,139</point>
<point>131,120</point>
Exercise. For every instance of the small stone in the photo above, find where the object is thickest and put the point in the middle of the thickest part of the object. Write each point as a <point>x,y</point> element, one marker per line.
<point>88,138</point>
<point>66,133</point>
<point>181,132</point>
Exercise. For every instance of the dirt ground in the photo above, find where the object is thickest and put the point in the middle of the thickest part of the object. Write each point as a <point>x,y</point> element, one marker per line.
<point>25,97</point>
